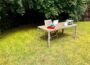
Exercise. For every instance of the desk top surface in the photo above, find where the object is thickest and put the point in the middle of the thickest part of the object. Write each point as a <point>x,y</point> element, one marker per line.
<point>57,27</point>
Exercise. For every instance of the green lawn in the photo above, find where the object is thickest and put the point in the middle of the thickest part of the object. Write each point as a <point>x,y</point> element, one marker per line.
<point>27,46</point>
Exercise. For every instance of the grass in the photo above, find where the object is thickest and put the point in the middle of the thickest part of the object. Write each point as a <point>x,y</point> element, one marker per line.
<point>26,46</point>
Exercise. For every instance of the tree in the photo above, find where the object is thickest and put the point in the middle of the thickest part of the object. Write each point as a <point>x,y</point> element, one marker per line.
<point>75,8</point>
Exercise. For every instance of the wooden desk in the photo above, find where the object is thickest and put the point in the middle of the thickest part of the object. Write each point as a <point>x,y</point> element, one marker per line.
<point>43,27</point>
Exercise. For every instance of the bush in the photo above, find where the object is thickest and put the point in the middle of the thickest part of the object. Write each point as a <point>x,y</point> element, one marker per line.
<point>75,8</point>
<point>10,9</point>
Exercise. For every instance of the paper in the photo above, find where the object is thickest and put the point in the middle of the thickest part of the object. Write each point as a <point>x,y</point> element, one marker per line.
<point>47,22</point>
<point>55,22</point>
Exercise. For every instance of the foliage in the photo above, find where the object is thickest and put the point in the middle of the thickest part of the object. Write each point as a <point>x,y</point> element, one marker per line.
<point>75,8</point>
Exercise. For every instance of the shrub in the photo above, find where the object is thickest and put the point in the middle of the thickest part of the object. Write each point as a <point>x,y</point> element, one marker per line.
<point>9,9</point>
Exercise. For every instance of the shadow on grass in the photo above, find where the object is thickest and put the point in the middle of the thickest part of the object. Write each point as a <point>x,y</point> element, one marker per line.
<point>8,32</point>
<point>60,35</point>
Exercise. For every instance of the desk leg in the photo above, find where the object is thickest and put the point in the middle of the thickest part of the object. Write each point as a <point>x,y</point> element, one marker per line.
<point>74,33</point>
<point>49,39</point>
<point>62,31</point>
